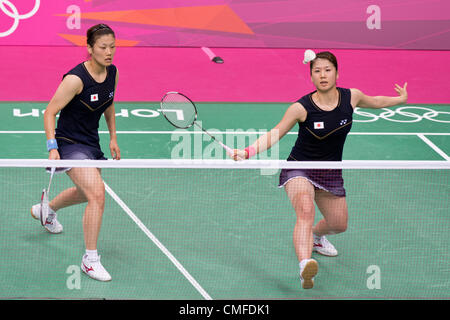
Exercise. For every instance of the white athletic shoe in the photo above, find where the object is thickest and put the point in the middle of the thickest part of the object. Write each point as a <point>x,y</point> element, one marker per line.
<point>94,269</point>
<point>323,246</point>
<point>51,224</point>
<point>308,270</point>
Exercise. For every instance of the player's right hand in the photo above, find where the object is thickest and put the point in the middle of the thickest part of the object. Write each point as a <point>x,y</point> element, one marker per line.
<point>53,155</point>
<point>239,155</point>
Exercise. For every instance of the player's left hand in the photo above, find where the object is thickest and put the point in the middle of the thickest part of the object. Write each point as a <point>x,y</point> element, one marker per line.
<point>115,150</point>
<point>402,92</point>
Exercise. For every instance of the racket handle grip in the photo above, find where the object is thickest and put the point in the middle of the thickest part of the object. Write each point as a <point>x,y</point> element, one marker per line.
<point>228,149</point>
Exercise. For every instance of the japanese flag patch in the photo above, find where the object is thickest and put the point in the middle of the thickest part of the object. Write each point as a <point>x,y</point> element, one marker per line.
<point>94,97</point>
<point>318,125</point>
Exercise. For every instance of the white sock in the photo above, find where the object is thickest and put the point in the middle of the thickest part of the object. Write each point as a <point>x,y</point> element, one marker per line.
<point>92,254</point>
<point>303,263</point>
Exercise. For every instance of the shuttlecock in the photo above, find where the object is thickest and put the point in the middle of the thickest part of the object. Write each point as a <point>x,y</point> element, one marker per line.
<point>309,56</point>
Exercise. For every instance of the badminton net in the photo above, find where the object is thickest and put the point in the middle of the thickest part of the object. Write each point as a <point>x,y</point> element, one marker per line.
<point>218,229</point>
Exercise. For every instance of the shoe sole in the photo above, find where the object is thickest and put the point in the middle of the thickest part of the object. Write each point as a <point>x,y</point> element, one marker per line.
<point>309,272</point>
<point>31,212</point>
<point>324,254</point>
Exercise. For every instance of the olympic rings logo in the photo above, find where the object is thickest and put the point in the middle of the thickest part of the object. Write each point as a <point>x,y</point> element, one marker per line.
<point>10,10</point>
<point>388,114</point>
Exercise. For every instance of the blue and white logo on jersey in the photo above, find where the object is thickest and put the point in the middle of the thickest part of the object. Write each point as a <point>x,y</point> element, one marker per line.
<point>111,94</point>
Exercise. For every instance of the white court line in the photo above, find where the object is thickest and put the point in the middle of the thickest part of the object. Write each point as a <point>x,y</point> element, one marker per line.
<point>157,243</point>
<point>434,147</point>
<point>18,131</point>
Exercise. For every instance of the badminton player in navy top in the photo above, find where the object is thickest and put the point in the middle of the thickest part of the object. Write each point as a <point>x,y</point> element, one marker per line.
<point>325,118</point>
<point>85,93</point>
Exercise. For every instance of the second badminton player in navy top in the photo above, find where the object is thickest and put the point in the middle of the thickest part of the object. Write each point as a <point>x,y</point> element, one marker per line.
<point>83,96</point>
<point>325,118</point>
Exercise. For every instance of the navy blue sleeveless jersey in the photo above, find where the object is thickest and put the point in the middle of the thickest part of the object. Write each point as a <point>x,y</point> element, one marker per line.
<point>79,120</point>
<point>322,135</point>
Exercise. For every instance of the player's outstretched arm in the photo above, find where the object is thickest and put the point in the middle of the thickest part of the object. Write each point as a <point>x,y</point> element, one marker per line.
<point>359,99</point>
<point>295,113</point>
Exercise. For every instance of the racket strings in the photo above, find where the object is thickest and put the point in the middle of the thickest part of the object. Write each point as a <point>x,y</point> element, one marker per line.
<point>181,112</point>
<point>178,110</point>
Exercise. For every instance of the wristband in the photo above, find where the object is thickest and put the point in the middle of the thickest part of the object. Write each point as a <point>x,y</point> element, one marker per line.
<point>250,152</point>
<point>51,144</point>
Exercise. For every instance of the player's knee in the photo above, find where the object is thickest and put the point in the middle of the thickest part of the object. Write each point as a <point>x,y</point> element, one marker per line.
<point>304,206</point>
<point>100,196</point>
<point>97,195</point>
<point>338,227</point>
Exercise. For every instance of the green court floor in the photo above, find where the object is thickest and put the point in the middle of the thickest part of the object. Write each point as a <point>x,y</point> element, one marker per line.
<point>223,233</point>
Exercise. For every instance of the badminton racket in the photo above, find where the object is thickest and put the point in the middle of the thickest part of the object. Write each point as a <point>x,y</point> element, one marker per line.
<point>45,210</point>
<point>181,112</point>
